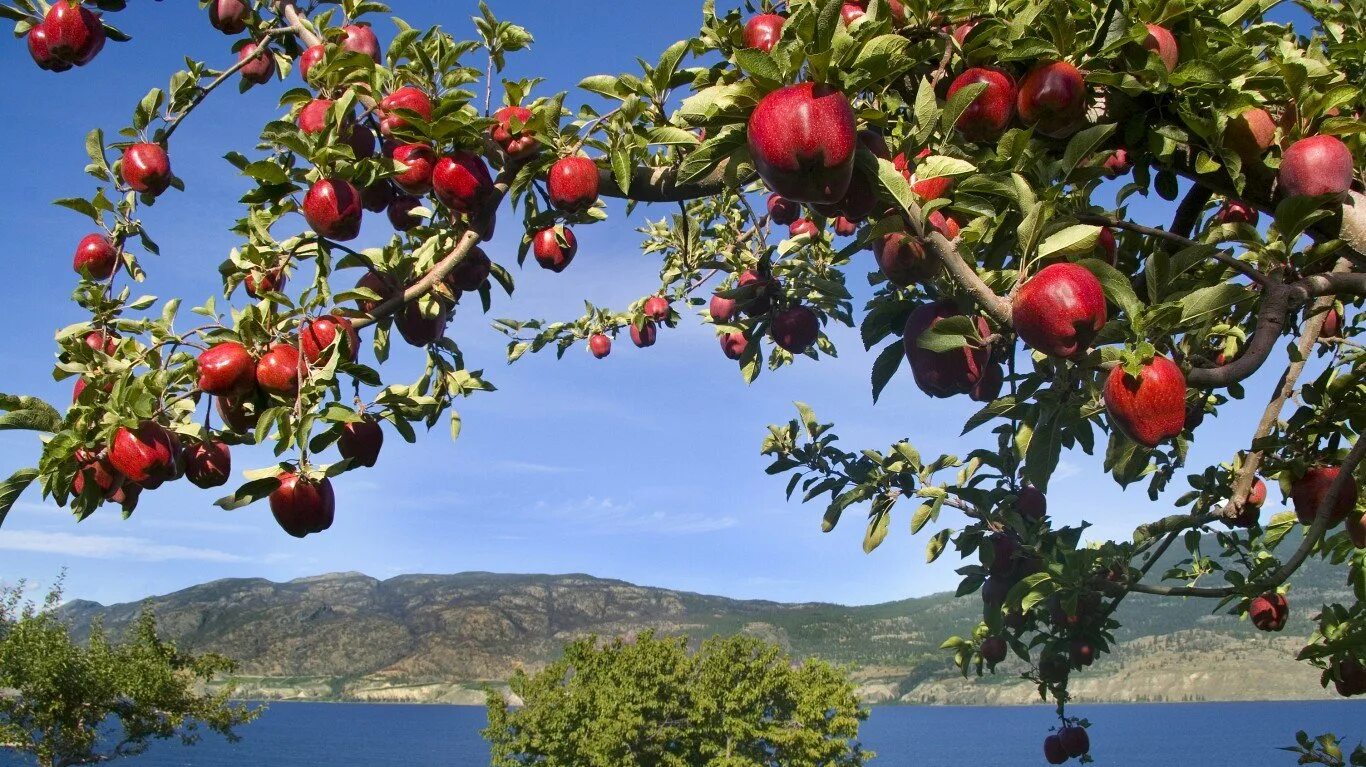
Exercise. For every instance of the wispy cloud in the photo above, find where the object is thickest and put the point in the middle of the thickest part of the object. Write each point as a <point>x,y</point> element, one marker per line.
<point>604,516</point>
<point>528,467</point>
<point>108,547</point>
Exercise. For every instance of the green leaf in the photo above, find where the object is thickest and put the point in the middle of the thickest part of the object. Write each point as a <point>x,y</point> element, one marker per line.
<point>886,365</point>
<point>958,104</point>
<point>12,488</point>
<point>876,533</point>
<point>948,334</point>
<point>1083,145</point>
<point>249,493</point>
<point>1074,240</point>
<point>936,545</point>
<point>28,414</point>
<point>1117,288</point>
<point>1212,300</point>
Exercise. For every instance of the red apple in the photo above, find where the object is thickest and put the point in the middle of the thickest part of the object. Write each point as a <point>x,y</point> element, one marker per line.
<point>795,329</point>
<point>656,308</point>
<point>73,32</point>
<point>1161,42</point>
<point>407,98</point>
<point>573,183</point>
<point>1311,489</point>
<point>942,374</point>
<point>599,345</point>
<point>1249,134</point>
<point>461,181</point>
<point>143,454</point>
<point>803,139</point>
<point>758,297</point>
<point>722,309</point>
<point>471,272</point>
<point>96,471</point>
<point>1349,677</point>
<point>1075,740</point>
<point>240,413</point>
<point>993,650</point>
<point>1109,248</point>
<point>1315,166</point>
<point>332,208</point>
<point>1031,503</point>
<point>302,506</point>
<point>1251,511</point>
<point>782,211</point>
<point>644,336</point>
<point>360,38</point>
<point>1269,611</point>
<point>226,368</point>
<point>377,196</point>
<point>734,345</point>
<point>845,228</point>
<point>229,16</point>
<point>804,226</point>
<point>361,441</point>
<point>554,248</point>
<point>208,464</point>
<point>420,330</point>
<point>400,212</point>
<point>261,68</point>
<point>1060,310</point>
<point>1332,324</point>
<point>277,371</point>
<point>96,258</point>
<point>1052,98</point>
<point>41,51</point>
<point>1117,163</point>
<point>763,31</point>
<point>102,341</point>
<point>905,260</point>
<point>1236,212</point>
<point>145,167</point>
<point>259,282</point>
<point>988,387</point>
<point>991,112</point>
<point>519,144</point>
<point>1082,654</point>
<point>961,32</point>
<point>310,58</point>
<point>1150,407</point>
<point>313,117</point>
<point>317,335</point>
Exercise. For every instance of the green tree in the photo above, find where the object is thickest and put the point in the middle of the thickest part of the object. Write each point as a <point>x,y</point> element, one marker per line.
<point>67,704</point>
<point>737,702</point>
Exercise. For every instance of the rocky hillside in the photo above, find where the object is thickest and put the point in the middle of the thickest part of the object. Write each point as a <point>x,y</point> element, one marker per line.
<point>446,637</point>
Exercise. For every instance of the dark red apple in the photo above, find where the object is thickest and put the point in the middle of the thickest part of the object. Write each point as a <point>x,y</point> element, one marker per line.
<point>407,98</point>
<point>554,248</point>
<point>722,310</point>
<point>361,441</point>
<point>1060,310</point>
<point>1117,163</point>
<point>74,33</point>
<point>41,51</point>
<point>259,282</point>
<point>310,58</point>
<point>782,211</point>
<point>95,258</point>
<point>993,650</point>
<point>988,387</point>
<point>1150,407</point>
<point>942,374</point>
<point>302,506</point>
<point>1031,503</point>
<point>360,38</point>
<point>804,226</point>
<point>471,272</point>
<point>1269,611</point>
<point>734,345</point>
<point>332,208</point>
<point>795,329</point>
<point>462,182</point>
<point>229,16</point>
<point>261,67</point>
<point>991,112</point>
<point>763,31</point>
<point>1236,212</point>
<point>519,143</point>
<point>240,413</point>
<point>1075,740</point>
<point>803,139</point>
<point>278,371</point>
<point>1161,42</point>
<point>317,335</point>
<point>143,454</point>
<point>1311,489</point>
<point>1109,248</point>
<point>400,212</point>
<point>96,471</point>
<point>1052,98</point>
<point>145,168</point>
<point>1082,654</point>
<point>1315,166</point>
<point>656,308</point>
<point>419,160</point>
<point>644,336</point>
<point>1349,677</point>
<point>226,368</point>
<point>758,295</point>
<point>418,329</point>
<point>1249,134</point>
<point>845,228</point>
<point>599,345</point>
<point>208,464</point>
<point>377,196</point>
<point>573,183</point>
<point>905,260</point>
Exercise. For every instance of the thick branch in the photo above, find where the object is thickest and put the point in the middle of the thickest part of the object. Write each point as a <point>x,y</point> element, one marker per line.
<point>1271,319</point>
<point>660,184</point>
<point>1189,211</point>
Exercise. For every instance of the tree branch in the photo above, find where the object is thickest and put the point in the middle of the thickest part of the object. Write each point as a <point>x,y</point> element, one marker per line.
<point>1247,270</point>
<point>660,184</point>
<point>1189,211</point>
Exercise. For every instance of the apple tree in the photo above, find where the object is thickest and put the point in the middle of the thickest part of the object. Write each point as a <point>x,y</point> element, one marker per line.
<point>962,143</point>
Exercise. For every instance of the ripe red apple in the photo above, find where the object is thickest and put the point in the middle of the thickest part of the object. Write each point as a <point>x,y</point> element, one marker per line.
<point>102,341</point>
<point>875,142</point>
<point>96,471</point>
<point>994,592</point>
<point>554,248</point>
<point>302,506</point>
<point>309,58</point>
<point>1249,134</point>
<point>418,329</point>
<point>722,310</point>
<point>96,257</point>
<point>758,296</point>
<point>317,335</point>
<point>519,144</point>
<point>1117,163</point>
<point>1151,407</point>
<point>1269,611</point>
<point>226,368</point>
<point>1060,310</point>
<point>377,196</point>
<point>990,114</point>
<point>1109,248</point>
<point>360,38</point>
<point>644,336</point>
<point>239,413</point>
<point>804,226</point>
<point>795,329</point>
<point>1314,166</point>
<point>656,308</point>
<point>313,117</point>
<point>400,212</point>
<point>408,97</point>
<point>573,183</point>
<point>419,161</point>
<point>1332,324</point>
<point>734,345</point>
<point>229,16</point>
<point>928,189</point>
<point>942,374</point>
<point>277,371</point>
<point>73,32</point>
<point>1052,98</point>
<point>905,260</point>
<point>361,441</point>
<point>763,31</point>
<point>1031,503</point>
<point>782,211</point>
<point>851,12</point>
<point>145,167</point>
<point>143,454</point>
<point>1349,677</point>
<point>1161,42</point>
<point>599,345</point>
<point>803,140</point>
<point>1309,491</point>
<point>1075,740</point>
<point>1236,212</point>
<point>993,650</point>
<point>471,272</point>
<point>261,68</point>
<point>332,208</point>
<point>845,228</point>
<point>41,51</point>
<point>461,181</point>
<point>208,464</point>
<point>1251,511</point>
<point>259,282</point>
<point>988,387</point>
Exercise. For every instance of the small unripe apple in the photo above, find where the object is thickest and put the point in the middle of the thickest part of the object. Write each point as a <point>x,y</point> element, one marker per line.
<point>763,31</point>
<point>782,211</point>
<point>905,260</point>
<point>1161,42</point>
<point>734,345</point>
<point>145,167</point>
<point>1151,407</point>
<point>803,139</point>
<point>991,112</point>
<point>361,441</point>
<point>795,329</point>
<point>471,272</point>
<point>1075,740</point>
<point>1249,134</point>
<point>722,309</point>
<point>400,212</point>
<point>302,506</point>
<point>644,336</point>
<point>143,454</point>
<point>993,650</point>
<point>1269,611</point>
<point>360,38</point>
<point>1052,98</point>
<point>519,144</point>
<point>1060,310</point>
<point>554,248</point>
<point>656,308</point>
<point>462,182</point>
<point>1314,166</point>
<point>41,51</point>
<point>599,345</point>
<point>261,67</point>
<point>409,98</point>
<point>226,368</point>
<point>208,464</point>
<point>277,371</point>
<point>95,258</point>
<point>1309,491</point>
<point>317,335</point>
<point>229,16</point>
<point>309,58</point>
<point>73,32</point>
<point>942,374</point>
<point>332,208</point>
<point>573,183</point>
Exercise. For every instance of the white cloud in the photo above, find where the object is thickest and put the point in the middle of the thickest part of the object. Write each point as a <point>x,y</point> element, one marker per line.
<point>527,467</point>
<point>108,547</point>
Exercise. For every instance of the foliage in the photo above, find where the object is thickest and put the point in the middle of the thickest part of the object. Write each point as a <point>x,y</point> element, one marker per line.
<point>738,702</point>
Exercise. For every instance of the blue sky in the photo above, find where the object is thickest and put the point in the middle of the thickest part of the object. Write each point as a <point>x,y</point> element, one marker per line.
<point>643,466</point>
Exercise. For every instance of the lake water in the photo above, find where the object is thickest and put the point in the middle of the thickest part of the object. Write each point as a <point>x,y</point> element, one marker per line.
<point>1161,735</point>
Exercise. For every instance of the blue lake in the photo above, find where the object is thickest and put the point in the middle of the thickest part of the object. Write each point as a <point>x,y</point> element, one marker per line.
<point>1149,735</point>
